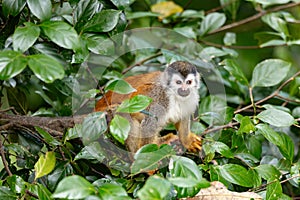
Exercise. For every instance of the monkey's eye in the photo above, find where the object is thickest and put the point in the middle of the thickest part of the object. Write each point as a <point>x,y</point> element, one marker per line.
<point>189,82</point>
<point>178,82</point>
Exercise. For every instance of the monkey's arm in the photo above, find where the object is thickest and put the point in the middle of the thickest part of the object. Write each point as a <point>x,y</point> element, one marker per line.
<point>189,140</point>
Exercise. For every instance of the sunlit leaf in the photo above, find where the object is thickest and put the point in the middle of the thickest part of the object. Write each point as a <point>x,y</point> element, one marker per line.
<point>276,117</point>
<point>269,72</point>
<point>135,104</point>
<point>66,188</point>
<point>119,128</point>
<point>45,164</point>
<point>120,86</point>
<point>40,9</point>
<point>166,8</point>
<point>46,68</point>
<point>25,37</point>
<point>11,64</point>
<point>274,190</point>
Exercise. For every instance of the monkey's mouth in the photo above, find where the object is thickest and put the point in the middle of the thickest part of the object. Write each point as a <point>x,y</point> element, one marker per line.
<point>182,92</point>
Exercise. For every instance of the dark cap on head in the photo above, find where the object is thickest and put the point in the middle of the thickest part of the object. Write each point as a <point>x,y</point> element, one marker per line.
<point>182,67</point>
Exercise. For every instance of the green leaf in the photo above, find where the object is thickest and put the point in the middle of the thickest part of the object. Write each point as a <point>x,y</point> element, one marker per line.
<point>122,4</point>
<point>45,67</point>
<point>40,9</point>
<point>275,21</point>
<point>119,128</point>
<point>16,184</point>
<point>221,148</point>
<point>45,164</point>
<point>93,126</point>
<point>268,172</point>
<point>274,190</point>
<point>148,157</point>
<point>140,14</point>
<point>92,151</point>
<point>276,117</point>
<point>12,7</point>
<point>269,72</point>
<point>135,104</point>
<point>184,170</point>
<point>104,21</point>
<point>43,192</point>
<point>246,125</point>
<point>100,44</point>
<point>62,170</point>
<point>235,71</point>
<point>229,38</point>
<point>270,134</point>
<point>7,194</point>
<point>236,174</point>
<point>11,64</point>
<point>120,86</point>
<point>154,188</point>
<point>47,137</point>
<point>112,191</point>
<point>73,187</point>
<point>84,11</point>
<point>287,147</point>
<point>25,37</point>
<point>61,34</point>
<point>212,22</point>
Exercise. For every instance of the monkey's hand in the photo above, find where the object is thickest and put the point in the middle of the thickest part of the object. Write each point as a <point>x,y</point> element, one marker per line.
<point>194,143</point>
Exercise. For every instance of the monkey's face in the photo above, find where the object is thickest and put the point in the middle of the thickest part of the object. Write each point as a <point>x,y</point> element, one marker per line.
<point>184,86</point>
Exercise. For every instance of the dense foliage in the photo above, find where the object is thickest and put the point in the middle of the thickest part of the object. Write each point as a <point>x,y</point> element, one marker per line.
<point>58,57</point>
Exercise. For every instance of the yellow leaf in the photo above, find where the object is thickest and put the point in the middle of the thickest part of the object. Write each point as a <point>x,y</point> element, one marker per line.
<point>166,9</point>
<point>45,164</point>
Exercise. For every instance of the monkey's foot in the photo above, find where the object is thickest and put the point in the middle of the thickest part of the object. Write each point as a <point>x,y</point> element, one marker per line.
<point>195,143</point>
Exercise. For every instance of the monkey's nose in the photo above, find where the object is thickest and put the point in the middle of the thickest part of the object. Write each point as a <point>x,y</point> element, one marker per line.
<point>183,92</point>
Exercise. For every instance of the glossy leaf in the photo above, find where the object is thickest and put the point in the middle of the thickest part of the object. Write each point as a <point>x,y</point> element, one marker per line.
<point>84,11</point>
<point>268,172</point>
<point>104,21</point>
<point>235,71</point>
<point>25,37</point>
<point>45,67</point>
<point>7,194</point>
<point>236,174</point>
<point>219,147</point>
<point>92,151</point>
<point>148,157</point>
<point>112,191</point>
<point>269,72</point>
<point>135,104</point>
<point>61,34</point>
<point>93,126</point>
<point>66,188</point>
<point>16,184</point>
<point>122,4</point>
<point>119,128</point>
<point>12,7</point>
<point>120,86</point>
<point>276,117</point>
<point>271,135</point>
<point>45,164</point>
<point>40,9</point>
<point>154,188</point>
<point>100,44</point>
<point>287,148</point>
<point>212,22</point>
<point>182,170</point>
<point>274,190</point>
<point>47,137</point>
<point>11,64</point>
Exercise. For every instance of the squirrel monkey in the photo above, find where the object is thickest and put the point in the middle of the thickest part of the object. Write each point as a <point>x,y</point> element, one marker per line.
<point>175,98</point>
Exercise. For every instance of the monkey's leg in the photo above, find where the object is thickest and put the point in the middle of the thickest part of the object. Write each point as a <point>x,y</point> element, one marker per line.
<point>189,140</point>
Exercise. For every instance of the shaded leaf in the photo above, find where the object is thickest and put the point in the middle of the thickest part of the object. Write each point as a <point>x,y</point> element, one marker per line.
<point>61,34</point>
<point>45,67</point>
<point>234,70</point>
<point>135,104</point>
<point>66,188</point>
<point>45,164</point>
<point>112,191</point>
<point>16,184</point>
<point>47,137</point>
<point>148,157</point>
<point>92,151</point>
<point>7,194</point>
<point>12,7</point>
<point>93,126</point>
<point>268,172</point>
<point>154,188</point>
<point>119,128</point>
<point>25,37</point>
<point>11,64</point>
<point>276,117</point>
<point>122,4</point>
<point>104,21</point>
<point>40,9</point>
<point>269,72</point>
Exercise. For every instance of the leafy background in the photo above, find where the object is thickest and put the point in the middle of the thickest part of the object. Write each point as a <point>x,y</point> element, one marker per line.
<point>52,60</point>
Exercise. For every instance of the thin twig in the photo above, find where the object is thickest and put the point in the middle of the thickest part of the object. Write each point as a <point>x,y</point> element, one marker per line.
<point>220,7</point>
<point>229,125</point>
<point>254,17</point>
<point>275,93</point>
<point>4,161</point>
<point>141,62</point>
